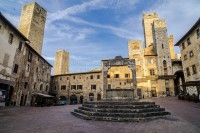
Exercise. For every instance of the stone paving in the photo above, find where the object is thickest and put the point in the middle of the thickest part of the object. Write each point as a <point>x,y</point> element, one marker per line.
<point>57,119</point>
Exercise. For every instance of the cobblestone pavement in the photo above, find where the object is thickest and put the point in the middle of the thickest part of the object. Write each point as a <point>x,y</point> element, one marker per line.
<point>57,119</point>
<point>186,110</point>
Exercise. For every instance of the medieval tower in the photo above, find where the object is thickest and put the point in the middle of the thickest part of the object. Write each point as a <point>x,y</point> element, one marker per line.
<point>32,24</point>
<point>148,20</point>
<point>61,65</point>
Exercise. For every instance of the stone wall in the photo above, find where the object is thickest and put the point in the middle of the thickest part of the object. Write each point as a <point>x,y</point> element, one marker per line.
<point>32,24</point>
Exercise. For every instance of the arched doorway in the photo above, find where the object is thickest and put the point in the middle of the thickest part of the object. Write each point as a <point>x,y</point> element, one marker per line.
<point>22,100</point>
<point>73,99</point>
<point>81,99</point>
<point>178,81</point>
<point>99,97</point>
<point>62,100</point>
<point>91,97</point>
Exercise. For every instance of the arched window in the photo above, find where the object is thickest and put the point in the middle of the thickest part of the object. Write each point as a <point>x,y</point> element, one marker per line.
<point>41,86</point>
<point>47,87</point>
<point>165,67</point>
<point>25,85</point>
<point>162,46</point>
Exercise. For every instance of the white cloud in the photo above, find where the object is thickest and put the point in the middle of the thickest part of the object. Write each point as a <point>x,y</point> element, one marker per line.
<point>49,58</point>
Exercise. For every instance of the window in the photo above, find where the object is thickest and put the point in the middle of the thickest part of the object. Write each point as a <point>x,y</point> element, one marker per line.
<point>34,85</point>
<point>191,53</point>
<point>10,40</point>
<point>73,87</point>
<point>150,61</point>
<point>108,76</point>
<point>67,78</point>
<point>127,75</point>
<point>63,87</point>
<point>183,45</point>
<point>0,26</point>
<point>194,69</point>
<point>74,77</point>
<point>15,68</point>
<point>116,75</point>
<point>198,32</point>
<point>120,83</point>
<point>98,76</point>
<point>20,46</point>
<point>188,41</point>
<point>37,70</point>
<point>41,87</point>
<point>91,76</point>
<point>27,67</point>
<point>188,71</point>
<point>165,67</point>
<point>93,87</point>
<point>109,86</point>
<point>29,56</point>
<point>124,83</point>
<point>79,87</point>
<point>152,72</point>
<point>185,57</point>
<point>162,46</point>
<point>60,79</point>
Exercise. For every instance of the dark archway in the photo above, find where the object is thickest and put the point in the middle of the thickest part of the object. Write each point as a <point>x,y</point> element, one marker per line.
<point>62,100</point>
<point>73,99</point>
<point>22,100</point>
<point>178,81</point>
<point>81,99</point>
<point>91,97</point>
<point>99,97</point>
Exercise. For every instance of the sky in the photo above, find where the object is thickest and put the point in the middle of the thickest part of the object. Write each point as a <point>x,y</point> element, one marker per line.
<point>93,30</point>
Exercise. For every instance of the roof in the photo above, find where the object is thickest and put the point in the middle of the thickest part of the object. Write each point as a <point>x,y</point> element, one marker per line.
<point>189,32</point>
<point>68,74</point>
<point>20,34</point>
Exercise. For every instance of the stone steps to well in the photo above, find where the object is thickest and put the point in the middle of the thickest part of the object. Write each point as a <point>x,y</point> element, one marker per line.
<point>132,111</point>
<point>122,114</point>
<point>119,110</point>
<point>115,119</point>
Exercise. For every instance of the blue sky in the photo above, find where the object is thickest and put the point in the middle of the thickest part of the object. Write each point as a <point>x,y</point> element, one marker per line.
<point>92,30</point>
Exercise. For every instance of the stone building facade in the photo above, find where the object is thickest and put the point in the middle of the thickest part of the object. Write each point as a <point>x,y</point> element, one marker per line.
<point>23,71</point>
<point>158,68</point>
<point>61,65</point>
<point>189,46</point>
<point>32,24</point>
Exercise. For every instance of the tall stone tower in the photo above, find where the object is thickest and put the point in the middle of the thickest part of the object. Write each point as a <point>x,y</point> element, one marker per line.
<point>32,24</point>
<point>147,22</point>
<point>171,47</point>
<point>162,48</point>
<point>61,65</point>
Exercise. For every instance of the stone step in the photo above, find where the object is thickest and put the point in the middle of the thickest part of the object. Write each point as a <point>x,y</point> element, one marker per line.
<point>115,119</point>
<point>124,115</point>
<point>118,103</point>
<point>143,110</point>
<point>121,106</point>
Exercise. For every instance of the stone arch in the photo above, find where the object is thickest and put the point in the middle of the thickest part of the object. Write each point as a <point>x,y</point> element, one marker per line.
<point>41,87</point>
<point>62,100</point>
<point>178,81</point>
<point>47,88</point>
<point>73,99</point>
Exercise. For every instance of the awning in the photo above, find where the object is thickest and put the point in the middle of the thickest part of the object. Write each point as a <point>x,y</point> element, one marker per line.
<point>42,95</point>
